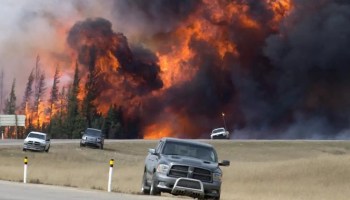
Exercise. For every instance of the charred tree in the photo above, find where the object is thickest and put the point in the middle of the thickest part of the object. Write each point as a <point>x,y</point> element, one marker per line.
<point>27,93</point>
<point>91,90</point>
<point>54,95</point>
<point>74,122</point>
<point>40,88</point>
<point>10,104</point>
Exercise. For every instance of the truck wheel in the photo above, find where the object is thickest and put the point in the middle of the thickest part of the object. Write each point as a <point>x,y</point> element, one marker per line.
<point>211,198</point>
<point>47,150</point>
<point>24,149</point>
<point>144,187</point>
<point>154,190</point>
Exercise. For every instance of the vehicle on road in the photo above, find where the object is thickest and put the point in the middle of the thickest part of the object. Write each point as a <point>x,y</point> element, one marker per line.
<point>92,137</point>
<point>183,167</point>
<point>37,141</point>
<point>219,133</point>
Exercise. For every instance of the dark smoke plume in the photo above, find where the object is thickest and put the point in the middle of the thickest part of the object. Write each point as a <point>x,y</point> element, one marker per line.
<point>290,80</point>
<point>312,59</point>
<point>96,36</point>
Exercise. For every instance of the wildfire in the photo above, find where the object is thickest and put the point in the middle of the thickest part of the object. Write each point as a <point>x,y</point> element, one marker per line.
<point>281,9</point>
<point>156,131</point>
<point>210,24</point>
<point>133,76</point>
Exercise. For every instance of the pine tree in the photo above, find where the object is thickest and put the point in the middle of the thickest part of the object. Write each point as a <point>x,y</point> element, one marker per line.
<point>74,121</point>
<point>10,104</point>
<point>91,88</point>
<point>38,97</point>
<point>53,101</point>
<point>112,126</point>
<point>54,95</point>
<point>62,98</point>
<point>28,92</point>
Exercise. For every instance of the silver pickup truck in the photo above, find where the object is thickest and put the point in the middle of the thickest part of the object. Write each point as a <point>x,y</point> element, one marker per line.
<point>183,167</point>
<point>36,141</point>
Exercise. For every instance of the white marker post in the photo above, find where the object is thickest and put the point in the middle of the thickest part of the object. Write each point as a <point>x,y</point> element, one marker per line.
<point>111,163</point>
<point>25,170</point>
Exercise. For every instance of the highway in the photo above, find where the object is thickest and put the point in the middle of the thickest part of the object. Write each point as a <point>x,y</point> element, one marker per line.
<point>17,142</point>
<point>21,191</point>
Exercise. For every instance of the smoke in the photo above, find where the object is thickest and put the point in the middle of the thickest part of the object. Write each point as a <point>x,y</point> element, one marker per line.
<point>142,19</point>
<point>311,57</point>
<point>96,42</point>
<point>277,69</point>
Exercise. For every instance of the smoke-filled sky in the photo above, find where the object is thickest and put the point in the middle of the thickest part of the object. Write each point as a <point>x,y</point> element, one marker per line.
<point>278,69</point>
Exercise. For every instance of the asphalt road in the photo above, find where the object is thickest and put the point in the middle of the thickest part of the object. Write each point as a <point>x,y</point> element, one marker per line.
<point>21,191</point>
<point>16,142</point>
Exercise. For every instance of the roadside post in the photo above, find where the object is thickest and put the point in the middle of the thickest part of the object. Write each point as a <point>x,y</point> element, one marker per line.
<point>25,169</point>
<point>111,163</point>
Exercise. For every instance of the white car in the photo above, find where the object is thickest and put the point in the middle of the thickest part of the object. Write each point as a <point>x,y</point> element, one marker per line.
<point>36,141</point>
<point>219,133</point>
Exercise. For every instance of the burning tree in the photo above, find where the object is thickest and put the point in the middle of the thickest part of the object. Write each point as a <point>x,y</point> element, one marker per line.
<point>10,104</point>
<point>274,67</point>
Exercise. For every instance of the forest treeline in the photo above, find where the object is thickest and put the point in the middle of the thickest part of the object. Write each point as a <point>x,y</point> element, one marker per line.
<point>58,110</point>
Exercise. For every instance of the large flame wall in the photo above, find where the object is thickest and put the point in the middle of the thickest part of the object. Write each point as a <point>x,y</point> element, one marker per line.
<point>276,68</point>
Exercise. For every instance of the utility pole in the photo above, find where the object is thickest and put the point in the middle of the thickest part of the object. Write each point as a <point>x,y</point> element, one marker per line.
<point>223,117</point>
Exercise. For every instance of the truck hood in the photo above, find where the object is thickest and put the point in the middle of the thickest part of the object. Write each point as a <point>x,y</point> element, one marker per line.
<point>183,160</point>
<point>34,140</point>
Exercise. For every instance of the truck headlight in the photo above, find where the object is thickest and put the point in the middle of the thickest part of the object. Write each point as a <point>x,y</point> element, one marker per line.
<point>217,177</point>
<point>162,168</point>
<point>98,139</point>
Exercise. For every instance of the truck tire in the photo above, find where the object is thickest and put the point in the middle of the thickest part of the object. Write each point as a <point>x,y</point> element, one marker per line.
<point>47,150</point>
<point>144,187</point>
<point>154,190</point>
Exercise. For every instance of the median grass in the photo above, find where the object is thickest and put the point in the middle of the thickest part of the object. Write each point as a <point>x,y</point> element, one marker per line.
<point>259,169</point>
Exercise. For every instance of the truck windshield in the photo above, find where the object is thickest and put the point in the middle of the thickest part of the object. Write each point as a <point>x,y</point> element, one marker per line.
<point>218,130</point>
<point>34,135</point>
<point>92,132</point>
<point>190,150</point>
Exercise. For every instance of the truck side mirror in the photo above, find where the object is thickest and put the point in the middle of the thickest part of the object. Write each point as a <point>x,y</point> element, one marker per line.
<point>152,151</point>
<point>224,163</point>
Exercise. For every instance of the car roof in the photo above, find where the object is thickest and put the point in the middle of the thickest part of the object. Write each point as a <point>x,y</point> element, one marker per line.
<point>187,141</point>
<point>40,133</point>
<point>93,129</point>
<point>218,128</point>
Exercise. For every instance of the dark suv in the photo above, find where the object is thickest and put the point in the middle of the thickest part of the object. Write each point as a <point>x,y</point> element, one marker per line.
<point>183,167</point>
<point>92,137</point>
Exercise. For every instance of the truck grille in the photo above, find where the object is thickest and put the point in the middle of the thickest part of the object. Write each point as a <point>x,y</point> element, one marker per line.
<point>189,184</point>
<point>31,143</point>
<point>182,171</point>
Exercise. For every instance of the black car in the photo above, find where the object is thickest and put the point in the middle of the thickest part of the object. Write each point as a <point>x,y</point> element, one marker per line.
<point>92,137</point>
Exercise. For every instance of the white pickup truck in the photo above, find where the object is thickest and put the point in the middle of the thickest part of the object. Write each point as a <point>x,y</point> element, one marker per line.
<point>36,141</point>
<point>219,133</point>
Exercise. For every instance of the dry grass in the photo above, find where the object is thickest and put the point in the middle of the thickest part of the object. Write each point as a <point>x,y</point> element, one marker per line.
<point>259,169</point>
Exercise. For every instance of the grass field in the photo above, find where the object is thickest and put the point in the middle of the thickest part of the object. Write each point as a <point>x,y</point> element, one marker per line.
<point>312,170</point>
